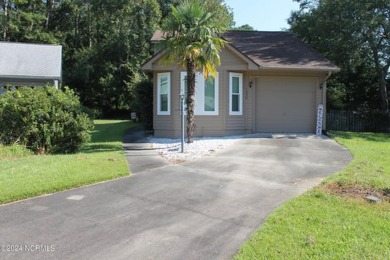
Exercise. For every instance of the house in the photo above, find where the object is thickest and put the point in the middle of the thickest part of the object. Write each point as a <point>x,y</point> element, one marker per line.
<point>23,64</point>
<point>267,82</point>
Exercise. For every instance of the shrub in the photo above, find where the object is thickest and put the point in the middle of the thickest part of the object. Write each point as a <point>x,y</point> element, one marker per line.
<point>44,119</point>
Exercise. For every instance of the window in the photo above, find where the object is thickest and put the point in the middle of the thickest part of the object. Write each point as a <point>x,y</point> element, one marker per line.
<point>163,93</point>
<point>206,93</point>
<point>209,94</point>
<point>235,94</point>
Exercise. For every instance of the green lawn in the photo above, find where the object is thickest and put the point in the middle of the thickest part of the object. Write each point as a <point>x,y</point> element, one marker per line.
<point>371,164</point>
<point>24,175</point>
<point>323,225</point>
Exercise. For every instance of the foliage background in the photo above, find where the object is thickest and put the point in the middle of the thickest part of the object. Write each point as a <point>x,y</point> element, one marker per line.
<point>104,44</point>
<point>355,35</point>
<point>106,41</point>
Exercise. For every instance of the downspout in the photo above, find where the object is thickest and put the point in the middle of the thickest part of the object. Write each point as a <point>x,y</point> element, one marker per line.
<point>328,76</point>
<point>324,98</point>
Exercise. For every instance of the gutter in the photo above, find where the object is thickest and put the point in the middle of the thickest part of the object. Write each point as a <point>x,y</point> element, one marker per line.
<point>328,76</point>
<point>311,69</point>
<point>30,77</point>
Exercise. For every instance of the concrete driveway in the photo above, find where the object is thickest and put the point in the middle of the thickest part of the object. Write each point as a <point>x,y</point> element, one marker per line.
<point>205,209</point>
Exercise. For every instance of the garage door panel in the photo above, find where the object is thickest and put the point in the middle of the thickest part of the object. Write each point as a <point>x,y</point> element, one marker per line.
<point>285,105</point>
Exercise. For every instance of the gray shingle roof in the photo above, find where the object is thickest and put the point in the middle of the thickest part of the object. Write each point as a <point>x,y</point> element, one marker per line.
<point>157,36</point>
<point>277,50</point>
<point>281,50</point>
<point>22,60</point>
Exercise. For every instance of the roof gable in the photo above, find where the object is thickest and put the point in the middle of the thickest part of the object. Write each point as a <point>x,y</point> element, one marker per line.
<point>21,60</point>
<point>228,55</point>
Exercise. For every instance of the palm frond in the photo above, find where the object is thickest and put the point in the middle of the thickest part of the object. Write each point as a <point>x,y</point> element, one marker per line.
<point>192,32</point>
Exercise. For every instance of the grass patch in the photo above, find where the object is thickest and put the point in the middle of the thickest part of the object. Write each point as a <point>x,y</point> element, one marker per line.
<point>24,175</point>
<point>320,224</point>
<point>370,167</point>
<point>13,152</point>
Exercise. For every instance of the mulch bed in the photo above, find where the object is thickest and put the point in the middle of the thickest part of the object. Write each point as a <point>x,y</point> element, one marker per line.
<point>357,192</point>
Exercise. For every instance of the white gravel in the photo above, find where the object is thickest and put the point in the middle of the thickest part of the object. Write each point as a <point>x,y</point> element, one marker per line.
<point>170,149</point>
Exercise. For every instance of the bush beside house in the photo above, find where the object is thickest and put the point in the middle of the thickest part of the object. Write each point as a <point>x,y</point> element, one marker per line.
<point>44,119</point>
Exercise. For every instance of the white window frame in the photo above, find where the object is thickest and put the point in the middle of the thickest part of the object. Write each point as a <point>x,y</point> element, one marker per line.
<point>240,89</point>
<point>200,93</point>
<point>159,76</point>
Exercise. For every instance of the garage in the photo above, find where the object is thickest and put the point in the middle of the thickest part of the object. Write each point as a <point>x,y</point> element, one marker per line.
<point>285,105</point>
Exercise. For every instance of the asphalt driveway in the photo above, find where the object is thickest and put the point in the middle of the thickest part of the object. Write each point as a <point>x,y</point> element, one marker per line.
<point>203,209</point>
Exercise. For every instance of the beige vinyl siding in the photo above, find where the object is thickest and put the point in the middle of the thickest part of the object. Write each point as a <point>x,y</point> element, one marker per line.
<point>239,124</point>
<point>223,123</point>
<point>216,125</point>
<point>231,61</point>
<point>206,125</point>
<point>162,123</point>
<point>249,100</point>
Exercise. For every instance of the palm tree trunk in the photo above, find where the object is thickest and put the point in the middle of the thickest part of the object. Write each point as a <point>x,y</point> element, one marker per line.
<point>190,99</point>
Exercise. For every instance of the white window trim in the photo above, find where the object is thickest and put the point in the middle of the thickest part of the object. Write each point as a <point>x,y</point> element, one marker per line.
<point>159,76</point>
<point>199,100</point>
<point>231,112</point>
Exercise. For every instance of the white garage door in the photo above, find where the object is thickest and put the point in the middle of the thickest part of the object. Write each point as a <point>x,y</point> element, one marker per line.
<point>285,105</point>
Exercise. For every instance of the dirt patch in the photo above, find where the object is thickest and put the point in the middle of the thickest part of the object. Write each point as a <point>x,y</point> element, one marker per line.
<point>357,192</point>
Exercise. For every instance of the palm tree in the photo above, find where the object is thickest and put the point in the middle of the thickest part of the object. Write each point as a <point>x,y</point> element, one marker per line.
<point>192,40</point>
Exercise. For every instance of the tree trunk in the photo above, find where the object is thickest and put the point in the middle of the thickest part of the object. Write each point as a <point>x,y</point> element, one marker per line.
<point>384,93</point>
<point>190,99</point>
<point>89,26</point>
<point>381,72</point>
<point>49,7</point>
<point>5,20</point>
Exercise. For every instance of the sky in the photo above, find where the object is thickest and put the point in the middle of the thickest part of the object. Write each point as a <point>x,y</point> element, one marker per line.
<point>263,15</point>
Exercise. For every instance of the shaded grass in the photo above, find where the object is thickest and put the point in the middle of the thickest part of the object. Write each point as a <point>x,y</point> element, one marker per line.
<point>24,175</point>
<point>322,225</point>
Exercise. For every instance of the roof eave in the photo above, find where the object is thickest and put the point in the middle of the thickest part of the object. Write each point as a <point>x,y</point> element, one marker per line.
<point>309,69</point>
<point>30,77</point>
<point>148,65</point>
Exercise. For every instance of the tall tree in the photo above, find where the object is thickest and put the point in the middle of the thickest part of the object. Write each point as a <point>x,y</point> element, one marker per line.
<point>223,11</point>
<point>4,18</point>
<point>105,41</point>
<point>192,40</point>
<point>244,27</point>
<point>24,21</point>
<point>49,9</point>
<point>353,34</point>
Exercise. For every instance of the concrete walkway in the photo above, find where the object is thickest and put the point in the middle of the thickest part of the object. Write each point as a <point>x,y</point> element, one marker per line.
<point>205,209</point>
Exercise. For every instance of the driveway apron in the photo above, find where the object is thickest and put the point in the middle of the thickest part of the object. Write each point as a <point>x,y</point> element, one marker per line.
<point>204,209</point>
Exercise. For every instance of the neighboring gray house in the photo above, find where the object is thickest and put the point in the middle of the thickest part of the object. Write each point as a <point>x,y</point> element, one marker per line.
<point>24,64</point>
<point>267,82</point>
